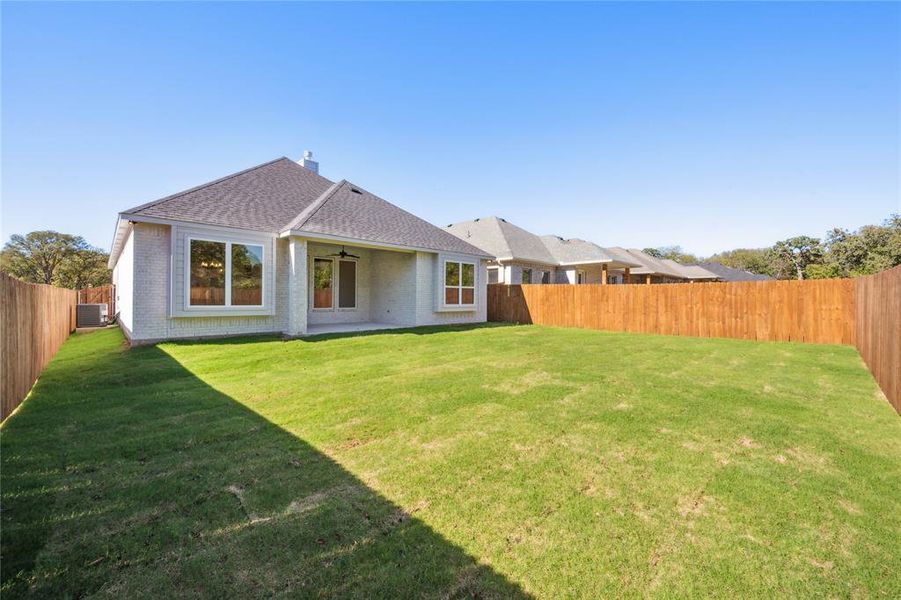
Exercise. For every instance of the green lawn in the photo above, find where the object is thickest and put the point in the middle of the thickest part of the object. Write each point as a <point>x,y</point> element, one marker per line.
<point>487,462</point>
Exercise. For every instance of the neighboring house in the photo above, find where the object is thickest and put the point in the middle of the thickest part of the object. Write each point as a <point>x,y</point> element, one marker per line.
<point>657,270</point>
<point>725,273</point>
<point>280,249</point>
<point>523,257</point>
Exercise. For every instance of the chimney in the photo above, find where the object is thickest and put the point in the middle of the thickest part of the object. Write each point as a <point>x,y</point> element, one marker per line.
<point>308,162</point>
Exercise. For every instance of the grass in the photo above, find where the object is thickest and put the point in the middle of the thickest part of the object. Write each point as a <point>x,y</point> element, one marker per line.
<point>456,462</point>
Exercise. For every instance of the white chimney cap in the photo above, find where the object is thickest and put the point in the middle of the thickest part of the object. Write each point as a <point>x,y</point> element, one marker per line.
<point>308,162</point>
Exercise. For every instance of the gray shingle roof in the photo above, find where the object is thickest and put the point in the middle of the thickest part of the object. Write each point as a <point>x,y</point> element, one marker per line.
<point>649,264</point>
<point>693,272</point>
<point>503,240</point>
<point>729,274</point>
<point>266,197</point>
<point>573,250</point>
<point>350,211</point>
<point>280,195</point>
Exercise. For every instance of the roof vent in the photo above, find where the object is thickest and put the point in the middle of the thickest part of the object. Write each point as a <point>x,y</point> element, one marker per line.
<point>308,162</point>
<point>355,190</point>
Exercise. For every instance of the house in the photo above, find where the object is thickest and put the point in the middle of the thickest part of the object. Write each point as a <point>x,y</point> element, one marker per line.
<point>523,257</point>
<point>656,270</point>
<point>725,273</point>
<point>278,248</point>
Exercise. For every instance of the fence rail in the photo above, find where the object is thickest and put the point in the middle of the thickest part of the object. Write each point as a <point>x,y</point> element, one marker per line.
<point>35,320</point>
<point>878,322</point>
<point>102,294</point>
<point>863,312</point>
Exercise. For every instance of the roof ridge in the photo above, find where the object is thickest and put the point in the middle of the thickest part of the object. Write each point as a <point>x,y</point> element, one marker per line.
<point>201,186</point>
<point>307,213</point>
<point>499,223</point>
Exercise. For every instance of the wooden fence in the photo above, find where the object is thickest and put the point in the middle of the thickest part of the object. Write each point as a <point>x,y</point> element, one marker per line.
<point>863,312</point>
<point>878,323</point>
<point>103,294</point>
<point>819,311</point>
<point>35,320</point>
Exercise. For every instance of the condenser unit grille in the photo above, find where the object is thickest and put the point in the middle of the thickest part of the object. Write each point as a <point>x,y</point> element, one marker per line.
<point>90,315</point>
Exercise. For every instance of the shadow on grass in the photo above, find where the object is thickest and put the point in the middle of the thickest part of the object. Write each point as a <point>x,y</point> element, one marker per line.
<point>126,474</point>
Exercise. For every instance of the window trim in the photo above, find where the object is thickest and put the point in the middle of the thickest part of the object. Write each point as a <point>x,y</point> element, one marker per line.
<point>336,283</point>
<point>228,306</point>
<point>460,287</point>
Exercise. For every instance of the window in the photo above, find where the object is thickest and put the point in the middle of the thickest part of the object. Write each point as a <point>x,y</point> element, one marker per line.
<point>323,282</point>
<point>493,275</point>
<point>347,284</point>
<point>225,274</point>
<point>527,276</point>
<point>459,284</point>
<point>580,276</point>
<point>247,275</point>
<point>545,277</point>
<point>207,273</point>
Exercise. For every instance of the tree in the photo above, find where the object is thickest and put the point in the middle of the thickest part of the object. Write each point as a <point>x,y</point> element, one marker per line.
<point>753,260</point>
<point>672,253</point>
<point>84,268</point>
<point>793,256</point>
<point>54,258</point>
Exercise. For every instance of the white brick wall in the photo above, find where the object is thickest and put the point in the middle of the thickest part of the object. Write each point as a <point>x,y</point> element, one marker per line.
<point>430,285</point>
<point>393,291</point>
<point>152,248</point>
<point>123,278</point>
<point>393,287</point>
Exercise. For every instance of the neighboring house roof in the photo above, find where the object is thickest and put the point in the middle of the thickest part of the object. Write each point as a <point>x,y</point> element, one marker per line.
<point>666,267</point>
<point>506,241</point>
<point>693,272</point>
<point>503,240</point>
<point>281,196</point>
<point>648,265</point>
<point>729,274</point>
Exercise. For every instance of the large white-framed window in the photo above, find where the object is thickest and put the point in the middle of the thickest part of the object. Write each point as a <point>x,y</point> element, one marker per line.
<point>334,283</point>
<point>459,283</point>
<point>223,274</point>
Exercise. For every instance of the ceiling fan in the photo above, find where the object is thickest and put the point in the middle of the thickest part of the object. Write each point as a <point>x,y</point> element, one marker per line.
<point>344,254</point>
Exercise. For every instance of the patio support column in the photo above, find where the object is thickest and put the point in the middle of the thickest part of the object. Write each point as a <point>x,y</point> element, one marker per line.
<point>627,275</point>
<point>297,286</point>
<point>647,279</point>
<point>604,274</point>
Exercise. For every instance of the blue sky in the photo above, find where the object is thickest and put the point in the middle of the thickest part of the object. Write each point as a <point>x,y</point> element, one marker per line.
<point>711,126</point>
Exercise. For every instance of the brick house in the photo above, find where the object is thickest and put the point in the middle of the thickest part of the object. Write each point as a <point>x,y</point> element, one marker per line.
<point>278,248</point>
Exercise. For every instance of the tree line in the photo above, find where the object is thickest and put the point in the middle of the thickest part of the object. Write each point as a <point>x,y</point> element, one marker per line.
<point>55,258</point>
<point>841,253</point>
